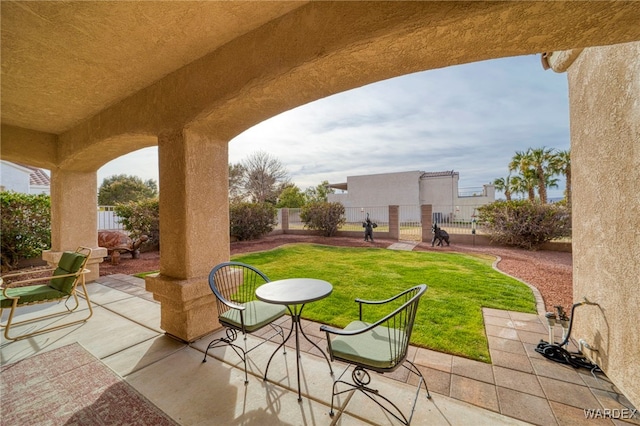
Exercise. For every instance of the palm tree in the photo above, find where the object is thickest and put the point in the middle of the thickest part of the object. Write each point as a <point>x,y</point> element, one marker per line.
<point>540,160</point>
<point>518,162</point>
<point>524,184</point>
<point>526,181</point>
<point>504,185</point>
<point>550,181</point>
<point>535,166</point>
<point>561,164</point>
<point>530,180</point>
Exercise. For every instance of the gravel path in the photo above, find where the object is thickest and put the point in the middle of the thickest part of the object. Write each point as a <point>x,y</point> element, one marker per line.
<point>550,272</point>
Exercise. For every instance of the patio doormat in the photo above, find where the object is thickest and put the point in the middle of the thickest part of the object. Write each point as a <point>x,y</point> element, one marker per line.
<point>69,386</point>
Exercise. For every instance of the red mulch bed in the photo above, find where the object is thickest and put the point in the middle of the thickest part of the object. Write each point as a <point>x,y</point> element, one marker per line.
<point>549,271</point>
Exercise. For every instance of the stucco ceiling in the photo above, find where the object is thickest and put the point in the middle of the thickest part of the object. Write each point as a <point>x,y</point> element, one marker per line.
<point>65,61</point>
<point>68,63</point>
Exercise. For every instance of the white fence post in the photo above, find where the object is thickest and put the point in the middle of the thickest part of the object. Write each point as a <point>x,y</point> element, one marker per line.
<point>108,220</point>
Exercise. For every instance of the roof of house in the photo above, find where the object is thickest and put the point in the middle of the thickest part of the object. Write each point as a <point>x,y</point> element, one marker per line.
<point>344,185</point>
<point>439,174</point>
<point>37,176</point>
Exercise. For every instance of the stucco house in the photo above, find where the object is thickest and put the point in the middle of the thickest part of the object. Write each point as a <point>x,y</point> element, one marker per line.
<point>412,189</point>
<point>24,179</point>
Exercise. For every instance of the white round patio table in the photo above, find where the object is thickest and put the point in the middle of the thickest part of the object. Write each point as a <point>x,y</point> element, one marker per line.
<point>295,293</point>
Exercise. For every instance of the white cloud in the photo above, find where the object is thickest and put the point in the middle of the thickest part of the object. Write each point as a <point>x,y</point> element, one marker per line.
<point>469,118</point>
<point>142,163</point>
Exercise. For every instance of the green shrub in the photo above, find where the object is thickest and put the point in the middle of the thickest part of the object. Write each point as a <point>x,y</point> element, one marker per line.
<point>120,189</point>
<point>323,216</point>
<point>141,218</point>
<point>523,223</point>
<point>250,221</point>
<point>26,226</point>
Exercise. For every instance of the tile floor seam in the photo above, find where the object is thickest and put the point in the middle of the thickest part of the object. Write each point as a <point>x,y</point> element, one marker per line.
<point>125,348</point>
<point>104,358</point>
<point>132,320</point>
<point>546,397</point>
<point>133,371</point>
<point>517,316</point>
<point>555,417</point>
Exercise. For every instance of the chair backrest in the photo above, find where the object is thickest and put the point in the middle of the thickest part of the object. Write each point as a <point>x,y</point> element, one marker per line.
<point>70,263</point>
<point>235,283</point>
<point>398,325</point>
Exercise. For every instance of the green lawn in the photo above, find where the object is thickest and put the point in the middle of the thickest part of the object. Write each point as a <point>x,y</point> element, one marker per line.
<point>449,318</point>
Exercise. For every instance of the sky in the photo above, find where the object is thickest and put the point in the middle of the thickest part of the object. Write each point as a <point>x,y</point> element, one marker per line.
<point>469,118</point>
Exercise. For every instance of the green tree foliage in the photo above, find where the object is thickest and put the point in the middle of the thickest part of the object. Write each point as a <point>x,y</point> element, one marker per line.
<point>320,193</point>
<point>141,218</point>
<point>123,188</point>
<point>504,185</point>
<point>541,161</point>
<point>561,164</point>
<point>526,181</point>
<point>291,197</point>
<point>250,221</point>
<point>323,216</point>
<point>523,223</point>
<point>26,226</point>
<point>535,170</point>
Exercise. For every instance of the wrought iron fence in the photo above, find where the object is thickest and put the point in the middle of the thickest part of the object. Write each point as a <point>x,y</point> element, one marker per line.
<point>410,218</point>
<point>356,216</point>
<point>455,219</point>
<point>461,219</point>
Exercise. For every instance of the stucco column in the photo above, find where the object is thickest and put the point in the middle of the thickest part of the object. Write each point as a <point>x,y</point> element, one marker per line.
<point>194,230</point>
<point>74,218</point>
<point>604,95</point>
<point>426,218</point>
<point>285,220</point>
<point>394,222</point>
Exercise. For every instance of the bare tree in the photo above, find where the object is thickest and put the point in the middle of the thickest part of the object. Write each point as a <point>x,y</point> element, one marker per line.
<point>264,177</point>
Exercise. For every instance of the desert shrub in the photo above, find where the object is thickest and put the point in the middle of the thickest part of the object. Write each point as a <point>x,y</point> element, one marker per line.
<point>323,216</point>
<point>523,223</point>
<point>250,221</point>
<point>26,226</point>
<point>141,218</point>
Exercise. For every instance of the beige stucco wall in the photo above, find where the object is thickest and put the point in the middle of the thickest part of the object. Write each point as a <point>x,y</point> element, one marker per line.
<point>30,147</point>
<point>604,94</point>
<point>439,190</point>
<point>412,189</point>
<point>383,189</point>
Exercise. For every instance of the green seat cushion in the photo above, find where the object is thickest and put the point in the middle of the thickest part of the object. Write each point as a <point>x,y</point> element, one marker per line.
<point>30,294</point>
<point>70,263</point>
<point>381,347</point>
<point>257,314</point>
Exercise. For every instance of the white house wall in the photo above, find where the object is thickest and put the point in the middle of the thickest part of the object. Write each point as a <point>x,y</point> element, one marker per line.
<point>383,190</point>
<point>439,190</point>
<point>40,189</point>
<point>14,177</point>
<point>410,190</point>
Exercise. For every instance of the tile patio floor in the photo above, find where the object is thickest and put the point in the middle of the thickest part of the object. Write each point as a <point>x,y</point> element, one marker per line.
<point>520,387</point>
